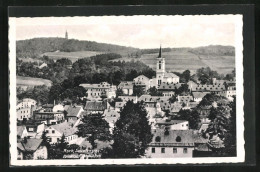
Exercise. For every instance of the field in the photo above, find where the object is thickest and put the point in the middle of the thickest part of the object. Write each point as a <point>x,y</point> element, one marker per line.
<point>29,81</point>
<point>178,61</point>
<point>73,56</point>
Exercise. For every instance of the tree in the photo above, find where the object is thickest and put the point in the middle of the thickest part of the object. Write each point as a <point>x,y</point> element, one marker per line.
<point>192,116</point>
<point>219,118</point>
<point>230,138</point>
<point>138,91</point>
<point>182,90</point>
<point>154,92</point>
<point>186,75</point>
<point>119,92</point>
<point>132,132</point>
<point>173,99</point>
<point>94,127</point>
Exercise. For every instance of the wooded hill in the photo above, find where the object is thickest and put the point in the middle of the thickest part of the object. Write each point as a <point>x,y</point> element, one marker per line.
<point>34,48</point>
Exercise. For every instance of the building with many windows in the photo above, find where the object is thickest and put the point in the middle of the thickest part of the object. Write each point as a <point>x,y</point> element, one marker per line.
<point>95,91</point>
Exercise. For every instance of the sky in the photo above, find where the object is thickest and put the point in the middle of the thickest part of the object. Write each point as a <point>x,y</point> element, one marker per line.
<point>135,31</point>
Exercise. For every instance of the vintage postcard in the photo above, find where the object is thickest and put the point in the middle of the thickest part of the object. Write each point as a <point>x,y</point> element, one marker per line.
<point>115,90</point>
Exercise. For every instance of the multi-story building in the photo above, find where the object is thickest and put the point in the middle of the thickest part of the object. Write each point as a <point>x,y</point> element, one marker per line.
<point>142,81</point>
<point>51,118</point>
<point>127,87</point>
<point>55,132</point>
<point>173,143</point>
<point>168,89</point>
<point>95,91</point>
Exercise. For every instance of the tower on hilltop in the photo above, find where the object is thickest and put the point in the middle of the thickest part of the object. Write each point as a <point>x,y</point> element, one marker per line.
<point>160,67</point>
<point>66,35</point>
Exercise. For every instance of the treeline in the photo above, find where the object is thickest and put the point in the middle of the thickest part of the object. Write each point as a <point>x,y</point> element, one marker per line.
<point>33,48</point>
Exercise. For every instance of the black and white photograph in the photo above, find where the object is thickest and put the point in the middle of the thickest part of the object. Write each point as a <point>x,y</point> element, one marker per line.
<point>140,89</point>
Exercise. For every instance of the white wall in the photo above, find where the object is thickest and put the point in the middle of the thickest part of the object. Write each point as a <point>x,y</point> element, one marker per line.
<point>169,152</point>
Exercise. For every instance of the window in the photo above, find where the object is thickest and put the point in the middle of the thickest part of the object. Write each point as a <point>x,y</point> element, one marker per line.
<point>160,66</point>
<point>47,131</point>
<point>50,139</point>
<point>58,139</point>
<point>163,150</point>
<point>53,131</point>
<point>185,150</point>
<point>153,150</point>
<point>174,150</point>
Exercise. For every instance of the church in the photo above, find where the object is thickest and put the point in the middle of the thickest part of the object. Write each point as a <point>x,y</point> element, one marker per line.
<point>161,75</point>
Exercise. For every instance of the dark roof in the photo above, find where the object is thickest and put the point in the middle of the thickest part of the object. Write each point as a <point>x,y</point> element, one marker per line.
<point>188,137</point>
<point>171,86</point>
<point>31,145</point>
<point>95,106</point>
<point>48,106</point>
<point>171,122</point>
<point>72,110</point>
<point>197,95</point>
<point>126,84</point>
<point>215,87</point>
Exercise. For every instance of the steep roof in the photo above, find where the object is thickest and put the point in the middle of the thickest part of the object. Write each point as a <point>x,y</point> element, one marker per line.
<point>31,145</point>
<point>170,75</point>
<point>188,137</point>
<point>197,95</point>
<point>95,106</point>
<point>126,84</point>
<point>65,128</point>
<point>184,98</point>
<point>171,86</point>
<point>215,87</point>
<point>73,110</point>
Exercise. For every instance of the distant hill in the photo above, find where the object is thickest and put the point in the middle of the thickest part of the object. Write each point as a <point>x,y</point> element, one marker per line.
<point>33,48</point>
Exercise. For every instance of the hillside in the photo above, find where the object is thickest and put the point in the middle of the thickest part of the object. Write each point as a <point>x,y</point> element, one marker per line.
<point>29,81</point>
<point>33,48</point>
<point>180,59</point>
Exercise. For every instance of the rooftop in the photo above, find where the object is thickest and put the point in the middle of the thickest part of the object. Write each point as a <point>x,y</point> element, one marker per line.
<point>31,145</point>
<point>65,128</point>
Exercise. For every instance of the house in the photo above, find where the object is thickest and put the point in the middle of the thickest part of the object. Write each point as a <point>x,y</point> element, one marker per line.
<point>42,65</point>
<point>142,81</point>
<point>55,132</point>
<point>192,85</point>
<point>34,128</point>
<point>172,143</point>
<point>215,88</point>
<point>48,107</point>
<point>27,102</point>
<point>173,124</point>
<point>163,100</point>
<point>74,113</point>
<point>21,132</point>
<point>168,89</point>
<point>95,107</point>
<point>154,112</point>
<point>127,87</point>
<point>25,112</point>
<point>128,98</point>
<point>95,91</point>
<point>198,96</point>
<point>51,118</point>
<point>31,149</point>
<point>161,74</point>
<point>111,117</point>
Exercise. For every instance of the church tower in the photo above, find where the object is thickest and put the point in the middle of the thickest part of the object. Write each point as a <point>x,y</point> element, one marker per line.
<point>160,68</point>
<point>66,35</point>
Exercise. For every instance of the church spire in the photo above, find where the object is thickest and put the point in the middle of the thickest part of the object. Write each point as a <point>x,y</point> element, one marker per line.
<point>160,52</point>
<point>66,34</point>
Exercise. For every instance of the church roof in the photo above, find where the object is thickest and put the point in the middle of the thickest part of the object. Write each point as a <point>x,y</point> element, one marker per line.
<point>170,75</point>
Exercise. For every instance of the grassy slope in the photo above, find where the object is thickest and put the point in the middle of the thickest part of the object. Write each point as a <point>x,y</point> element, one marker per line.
<point>179,61</point>
<point>29,81</point>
